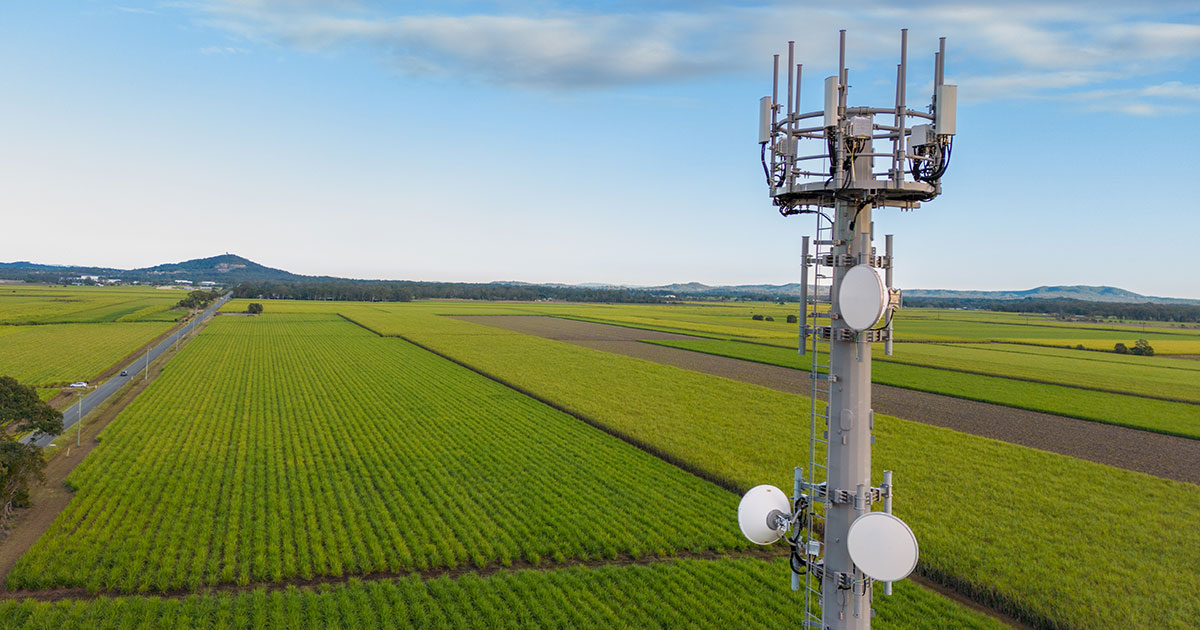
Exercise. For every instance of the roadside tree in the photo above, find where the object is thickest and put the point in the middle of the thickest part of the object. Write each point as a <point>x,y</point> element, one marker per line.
<point>21,464</point>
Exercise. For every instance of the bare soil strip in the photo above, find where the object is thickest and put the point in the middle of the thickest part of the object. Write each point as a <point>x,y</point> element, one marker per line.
<point>51,497</point>
<point>1166,456</point>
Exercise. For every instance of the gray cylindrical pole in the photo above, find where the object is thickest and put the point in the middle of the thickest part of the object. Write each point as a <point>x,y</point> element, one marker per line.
<point>887,507</point>
<point>849,425</point>
<point>802,329</point>
<point>797,490</point>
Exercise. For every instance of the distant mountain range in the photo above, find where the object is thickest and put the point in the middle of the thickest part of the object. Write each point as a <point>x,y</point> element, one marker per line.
<point>230,269</point>
<point>226,269</point>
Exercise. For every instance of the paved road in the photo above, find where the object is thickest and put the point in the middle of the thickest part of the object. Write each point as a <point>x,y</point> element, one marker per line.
<point>72,414</point>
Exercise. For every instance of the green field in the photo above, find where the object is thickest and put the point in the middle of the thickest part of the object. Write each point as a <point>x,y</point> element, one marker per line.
<point>733,321</point>
<point>972,501</point>
<point>719,594</point>
<point>1175,418</point>
<point>300,446</point>
<point>58,354</point>
<point>39,304</point>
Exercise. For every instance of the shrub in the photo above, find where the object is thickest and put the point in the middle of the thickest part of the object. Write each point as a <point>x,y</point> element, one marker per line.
<point>770,319</point>
<point>792,319</point>
<point>1120,348</point>
<point>757,318</point>
<point>1142,347</point>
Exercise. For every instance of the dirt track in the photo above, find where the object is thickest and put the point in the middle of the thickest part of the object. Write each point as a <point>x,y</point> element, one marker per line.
<point>1161,455</point>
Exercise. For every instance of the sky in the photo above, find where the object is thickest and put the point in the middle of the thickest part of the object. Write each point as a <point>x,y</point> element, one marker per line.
<point>575,142</point>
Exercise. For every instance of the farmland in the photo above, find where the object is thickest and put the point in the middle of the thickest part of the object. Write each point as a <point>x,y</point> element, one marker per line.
<point>1171,417</point>
<point>685,593</point>
<point>1007,359</point>
<point>57,354</point>
<point>727,428</point>
<point>371,456</point>
<point>302,446</point>
<point>35,304</point>
<point>51,336</point>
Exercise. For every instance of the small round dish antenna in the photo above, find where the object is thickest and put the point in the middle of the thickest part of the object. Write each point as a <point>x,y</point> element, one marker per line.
<point>759,514</point>
<point>862,297</point>
<point>882,546</point>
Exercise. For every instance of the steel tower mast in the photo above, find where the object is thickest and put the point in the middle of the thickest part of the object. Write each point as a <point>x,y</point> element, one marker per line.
<point>838,551</point>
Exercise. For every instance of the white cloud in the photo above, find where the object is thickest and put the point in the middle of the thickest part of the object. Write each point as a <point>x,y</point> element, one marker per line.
<point>137,10</point>
<point>1007,50</point>
<point>223,50</point>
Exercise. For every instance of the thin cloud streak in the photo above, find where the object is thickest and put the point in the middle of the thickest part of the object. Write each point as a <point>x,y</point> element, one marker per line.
<point>1015,51</point>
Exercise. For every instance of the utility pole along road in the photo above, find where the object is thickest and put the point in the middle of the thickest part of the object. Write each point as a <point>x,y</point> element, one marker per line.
<point>136,367</point>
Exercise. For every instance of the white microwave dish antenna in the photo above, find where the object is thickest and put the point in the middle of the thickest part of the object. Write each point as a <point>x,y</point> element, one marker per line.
<point>882,546</point>
<point>862,297</point>
<point>760,512</point>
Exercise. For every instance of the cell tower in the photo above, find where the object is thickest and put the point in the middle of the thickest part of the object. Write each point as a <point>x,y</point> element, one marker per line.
<point>823,163</point>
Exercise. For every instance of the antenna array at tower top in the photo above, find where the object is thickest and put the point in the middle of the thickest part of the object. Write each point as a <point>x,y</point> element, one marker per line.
<point>810,158</point>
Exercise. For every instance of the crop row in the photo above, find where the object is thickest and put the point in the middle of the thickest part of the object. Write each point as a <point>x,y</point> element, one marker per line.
<point>715,595</point>
<point>1056,540</point>
<point>289,446</point>
<point>1175,418</point>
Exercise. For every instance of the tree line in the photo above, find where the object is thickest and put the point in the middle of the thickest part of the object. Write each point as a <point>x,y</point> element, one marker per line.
<point>405,291</point>
<point>1148,311</point>
<point>199,299</point>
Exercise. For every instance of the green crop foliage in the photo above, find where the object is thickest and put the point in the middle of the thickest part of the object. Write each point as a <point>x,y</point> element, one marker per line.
<point>288,446</point>
<point>718,595</point>
<point>33,304</point>
<point>1175,418</point>
<point>57,354</point>
<point>1049,538</point>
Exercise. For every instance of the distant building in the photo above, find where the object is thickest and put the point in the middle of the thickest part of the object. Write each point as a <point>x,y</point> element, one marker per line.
<point>185,282</point>
<point>208,283</point>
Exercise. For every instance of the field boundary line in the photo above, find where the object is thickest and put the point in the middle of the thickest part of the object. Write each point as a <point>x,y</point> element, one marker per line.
<point>652,450</point>
<point>620,560</point>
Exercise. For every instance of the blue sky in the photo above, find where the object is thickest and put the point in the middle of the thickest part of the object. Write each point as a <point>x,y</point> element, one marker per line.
<point>566,142</point>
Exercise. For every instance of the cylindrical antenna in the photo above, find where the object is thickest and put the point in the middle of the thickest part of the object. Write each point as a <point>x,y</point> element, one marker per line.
<point>941,65</point>
<point>842,68</point>
<point>774,94</point>
<point>898,139</point>
<point>791,62</point>
<point>937,63</point>
<point>799,69</point>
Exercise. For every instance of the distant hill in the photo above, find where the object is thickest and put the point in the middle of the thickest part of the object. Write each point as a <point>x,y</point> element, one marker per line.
<point>792,291</point>
<point>226,269</point>
<point>1071,292</point>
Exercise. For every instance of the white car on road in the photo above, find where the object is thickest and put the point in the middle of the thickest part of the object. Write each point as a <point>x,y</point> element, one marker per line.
<point>79,384</point>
